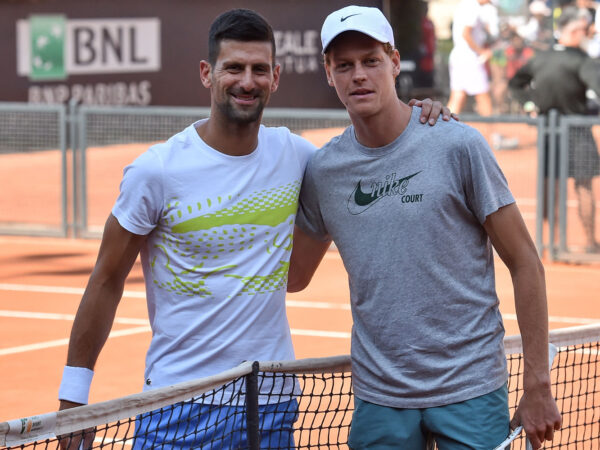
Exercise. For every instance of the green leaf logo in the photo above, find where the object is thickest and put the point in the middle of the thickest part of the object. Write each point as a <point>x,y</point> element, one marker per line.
<point>48,47</point>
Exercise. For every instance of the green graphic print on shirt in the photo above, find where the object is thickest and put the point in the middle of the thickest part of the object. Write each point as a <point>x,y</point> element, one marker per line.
<point>211,237</point>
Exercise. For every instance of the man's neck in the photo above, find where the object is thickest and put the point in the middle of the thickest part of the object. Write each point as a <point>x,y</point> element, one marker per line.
<point>230,138</point>
<point>568,43</point>
<point>382,128</point>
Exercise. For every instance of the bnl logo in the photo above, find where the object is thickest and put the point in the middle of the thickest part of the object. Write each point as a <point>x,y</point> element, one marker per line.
<point>51,47</point>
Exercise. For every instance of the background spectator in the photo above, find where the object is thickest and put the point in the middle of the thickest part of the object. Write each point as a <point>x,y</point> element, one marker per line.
<point>538,29</point>
<point>558,79</point>
<point>475,24</point>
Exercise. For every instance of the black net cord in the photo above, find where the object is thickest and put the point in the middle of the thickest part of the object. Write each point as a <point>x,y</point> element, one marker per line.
<point>253,431</point>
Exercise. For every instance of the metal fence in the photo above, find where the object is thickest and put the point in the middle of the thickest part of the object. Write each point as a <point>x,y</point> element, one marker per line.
<point>574,166</point>
<point>533,152</point>
<point>567,188</point>
<point>33,169</point>
<point>105,139</point>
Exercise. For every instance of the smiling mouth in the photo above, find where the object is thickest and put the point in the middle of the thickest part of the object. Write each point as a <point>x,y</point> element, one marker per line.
<point>244,99</point>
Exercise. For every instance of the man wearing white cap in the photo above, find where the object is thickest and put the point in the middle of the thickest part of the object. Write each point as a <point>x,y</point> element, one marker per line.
<point>414,213</point>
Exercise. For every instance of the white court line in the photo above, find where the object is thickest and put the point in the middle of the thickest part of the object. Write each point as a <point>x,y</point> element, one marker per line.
<point>316,305</point>
<point>68,317</point>
<point>299,304</point>
<point>59,290</point>
<point>147,329</point>
<point>319,333</point>
<point>560,319</point>
<point>128,331</point>
<point>60,242</point>
<point>526,201</point>
<point>142,294</point>
<point>63,342</point>
<point>290,303</point>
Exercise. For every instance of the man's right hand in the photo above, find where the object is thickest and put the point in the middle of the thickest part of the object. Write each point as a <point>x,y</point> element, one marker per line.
<point>118,252</point>
<point>73,442</point>
<point>66,404</point>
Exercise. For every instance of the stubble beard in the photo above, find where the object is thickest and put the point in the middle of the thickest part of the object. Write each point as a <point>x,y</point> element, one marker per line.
<point>239,115</point>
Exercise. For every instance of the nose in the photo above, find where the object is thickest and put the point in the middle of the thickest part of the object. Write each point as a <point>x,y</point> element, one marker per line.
<point>247,79</point>
<point>359,73</point>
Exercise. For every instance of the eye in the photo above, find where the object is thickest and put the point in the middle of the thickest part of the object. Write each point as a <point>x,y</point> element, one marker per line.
<point>233,68</point>
<point>261,69</point>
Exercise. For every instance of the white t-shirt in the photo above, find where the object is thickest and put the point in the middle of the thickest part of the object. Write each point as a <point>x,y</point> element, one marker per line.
<point>481,18</point>
<point>219,241</point>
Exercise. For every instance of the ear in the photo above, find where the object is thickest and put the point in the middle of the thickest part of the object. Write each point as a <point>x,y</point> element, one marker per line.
<point>276,74</point>
<point>328,73</point>
<point>395,57</point>
<point>205,73</point>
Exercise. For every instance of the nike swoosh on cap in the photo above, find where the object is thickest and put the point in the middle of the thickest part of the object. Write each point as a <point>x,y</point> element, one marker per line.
<point>347,17</point>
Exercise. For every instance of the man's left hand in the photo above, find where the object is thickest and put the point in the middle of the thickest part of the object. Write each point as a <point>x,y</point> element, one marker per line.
<point>538,414</point>
<point>431,110</point>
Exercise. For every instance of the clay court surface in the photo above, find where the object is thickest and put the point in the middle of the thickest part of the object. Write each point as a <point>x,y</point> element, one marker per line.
<point>42,279</point>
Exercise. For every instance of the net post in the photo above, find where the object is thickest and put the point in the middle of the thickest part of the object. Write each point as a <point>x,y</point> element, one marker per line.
<point>252,422</point>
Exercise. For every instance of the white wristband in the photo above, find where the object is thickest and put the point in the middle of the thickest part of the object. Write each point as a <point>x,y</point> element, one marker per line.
<point>75,384</point>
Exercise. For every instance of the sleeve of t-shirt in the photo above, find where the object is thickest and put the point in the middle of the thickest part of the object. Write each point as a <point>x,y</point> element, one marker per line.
<point>589,73</point>
<point>140,200</point>
<point>469,16</point>
<point>303,149</point>
<point>309,217</point>
<point>520,83</point>
<point>485,185</point>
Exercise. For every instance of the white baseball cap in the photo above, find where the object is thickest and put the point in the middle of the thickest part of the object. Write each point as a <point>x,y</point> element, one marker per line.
<point>539,7</point>
<point>363,19</point>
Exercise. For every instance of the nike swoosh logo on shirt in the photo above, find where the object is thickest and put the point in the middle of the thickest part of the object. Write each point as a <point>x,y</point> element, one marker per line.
<point>359,201</point>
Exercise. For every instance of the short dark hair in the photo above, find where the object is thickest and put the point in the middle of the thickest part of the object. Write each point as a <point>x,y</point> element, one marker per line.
<point>239,25</point>
<point>569,14</point>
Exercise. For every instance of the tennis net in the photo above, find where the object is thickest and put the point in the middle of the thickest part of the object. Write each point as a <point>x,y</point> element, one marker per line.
<point>254,405</point>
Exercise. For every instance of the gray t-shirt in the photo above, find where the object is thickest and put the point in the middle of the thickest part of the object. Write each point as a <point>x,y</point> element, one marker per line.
<point>407,220</point>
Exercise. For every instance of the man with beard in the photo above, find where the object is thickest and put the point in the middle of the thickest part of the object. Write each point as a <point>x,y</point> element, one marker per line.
<point>211,213</point>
